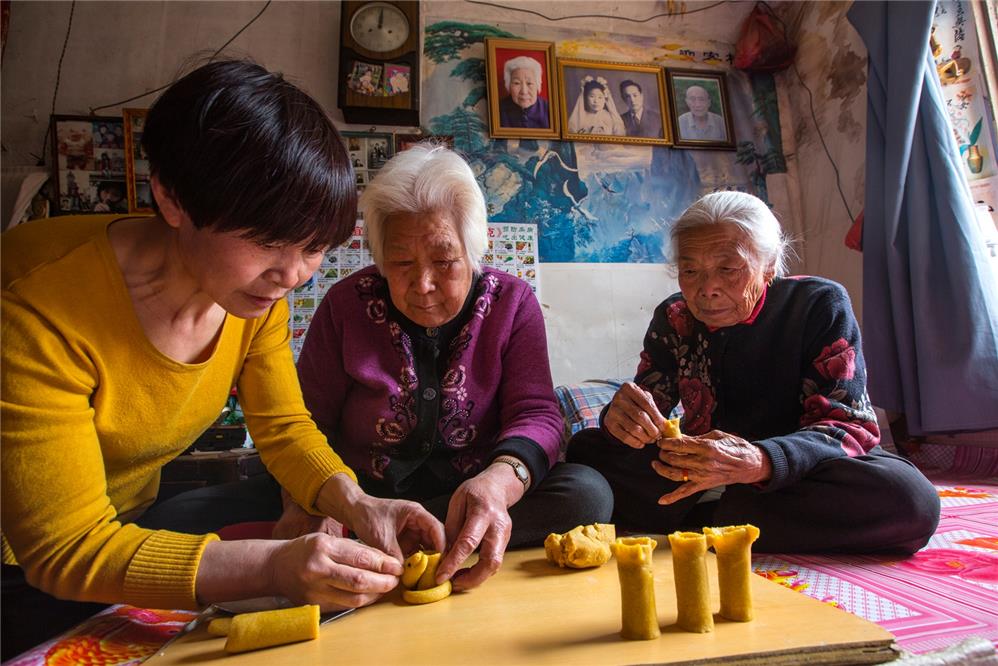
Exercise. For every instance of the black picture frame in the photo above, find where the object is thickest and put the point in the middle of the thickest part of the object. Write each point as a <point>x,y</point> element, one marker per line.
<point>89,173</point>
<point>368,152</point>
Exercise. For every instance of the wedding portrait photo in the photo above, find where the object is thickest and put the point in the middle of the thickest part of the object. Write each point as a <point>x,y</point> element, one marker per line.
<point>613,102</point>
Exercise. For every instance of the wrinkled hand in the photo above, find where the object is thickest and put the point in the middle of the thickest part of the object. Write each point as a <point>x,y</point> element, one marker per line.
<point>633,417</point>
<point>397,527</point>
<point>333,573</point>
<point>714,459</point>
<point>296,522</point>
<point>478,516</point>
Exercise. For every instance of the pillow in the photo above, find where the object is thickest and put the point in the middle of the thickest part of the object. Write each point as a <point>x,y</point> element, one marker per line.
<point>582,403</point>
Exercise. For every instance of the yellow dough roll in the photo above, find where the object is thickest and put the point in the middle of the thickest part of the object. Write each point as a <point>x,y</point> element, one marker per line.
<point>220,626</point>
<point>639,618</point>
<point>689,567</point>
<point>252,631</point>
<point>671,428</point>
<point>733,546</point>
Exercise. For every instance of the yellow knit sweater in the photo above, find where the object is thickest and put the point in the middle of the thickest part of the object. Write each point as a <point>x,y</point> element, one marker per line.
<point>91,411</point>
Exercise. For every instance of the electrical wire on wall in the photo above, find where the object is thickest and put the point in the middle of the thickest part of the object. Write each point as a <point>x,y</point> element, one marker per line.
<point>94,109</point>
<point>58,77</point>
<point>598,16</point>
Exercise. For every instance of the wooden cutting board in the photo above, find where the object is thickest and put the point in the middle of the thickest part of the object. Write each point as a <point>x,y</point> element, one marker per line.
<point>534,613</point>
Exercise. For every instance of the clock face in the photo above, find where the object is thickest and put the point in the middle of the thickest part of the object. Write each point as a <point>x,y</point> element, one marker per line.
<point>379,27</point>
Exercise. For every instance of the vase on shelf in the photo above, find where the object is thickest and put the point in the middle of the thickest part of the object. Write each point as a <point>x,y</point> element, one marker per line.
<point>975,161</point>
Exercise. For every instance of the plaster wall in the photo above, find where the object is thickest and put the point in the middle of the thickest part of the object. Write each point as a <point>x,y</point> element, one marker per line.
<point>596,314</point>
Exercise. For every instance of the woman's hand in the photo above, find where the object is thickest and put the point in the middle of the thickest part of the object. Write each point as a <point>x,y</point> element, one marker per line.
<point>397,527</point>
<point>478,516</point>
<point>707,461</point>
<point>633,417</point>
<point>296,521</point>
<point>332,572</point>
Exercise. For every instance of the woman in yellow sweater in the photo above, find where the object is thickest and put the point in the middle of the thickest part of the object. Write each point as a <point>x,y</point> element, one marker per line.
<point>121,340</point>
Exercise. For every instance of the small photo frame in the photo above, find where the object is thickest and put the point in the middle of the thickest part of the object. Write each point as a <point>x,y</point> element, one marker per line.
<point>136,163</point>
<point>521,85</point>
<point>406,141</point>
<point>368,152</point>
<point>397,79</point>
<point>88,164</point>
<point>613,102</point>
<point>365,78</point>
<point>699,110</point>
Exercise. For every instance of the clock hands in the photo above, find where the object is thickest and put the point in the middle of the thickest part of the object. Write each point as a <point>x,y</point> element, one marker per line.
<point>381,18</point>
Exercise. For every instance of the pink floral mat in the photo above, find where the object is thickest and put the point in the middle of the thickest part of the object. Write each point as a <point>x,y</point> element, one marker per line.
<point>943,594</point>
<point>946,592</point>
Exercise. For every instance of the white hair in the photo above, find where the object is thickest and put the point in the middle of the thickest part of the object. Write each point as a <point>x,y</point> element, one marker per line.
<point>523,62</point>
<point>426,179</point>
<point>767,245</point>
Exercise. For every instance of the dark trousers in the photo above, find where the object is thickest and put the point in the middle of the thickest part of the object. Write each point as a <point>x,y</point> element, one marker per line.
<point>568,496</point>
<point>870,503</point>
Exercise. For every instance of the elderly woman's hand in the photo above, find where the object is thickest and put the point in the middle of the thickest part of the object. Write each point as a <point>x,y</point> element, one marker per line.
<point>707,461</point>
<point>398,527</point>
<point>478,516</point>
<point>296,521</point>
<point>633,417</point>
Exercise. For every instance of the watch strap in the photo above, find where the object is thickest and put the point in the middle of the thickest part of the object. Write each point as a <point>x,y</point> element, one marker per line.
<point>521,471</point>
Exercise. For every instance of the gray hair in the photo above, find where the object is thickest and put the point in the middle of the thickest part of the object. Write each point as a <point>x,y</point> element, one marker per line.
<point>425,179</point>
<point>523,62</point>
<point>767,244</point>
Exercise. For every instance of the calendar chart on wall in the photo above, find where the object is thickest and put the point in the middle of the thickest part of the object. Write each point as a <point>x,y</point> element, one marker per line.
<point>511,248</point>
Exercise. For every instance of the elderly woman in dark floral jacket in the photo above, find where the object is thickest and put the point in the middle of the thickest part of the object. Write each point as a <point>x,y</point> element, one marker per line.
<point>778,430</point>
<point>429,375</point>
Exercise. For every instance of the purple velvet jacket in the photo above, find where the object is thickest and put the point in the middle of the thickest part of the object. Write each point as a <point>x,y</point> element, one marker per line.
<point>416,411</point>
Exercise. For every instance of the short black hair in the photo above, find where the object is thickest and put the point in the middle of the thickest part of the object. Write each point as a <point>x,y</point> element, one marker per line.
<point>241,149</point>
<point>628,82</point>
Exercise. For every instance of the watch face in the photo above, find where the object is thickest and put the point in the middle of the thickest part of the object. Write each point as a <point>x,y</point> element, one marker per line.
<point>379,27</point>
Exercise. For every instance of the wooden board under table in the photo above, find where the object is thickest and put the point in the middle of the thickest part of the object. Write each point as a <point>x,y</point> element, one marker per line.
<point>534,613</point>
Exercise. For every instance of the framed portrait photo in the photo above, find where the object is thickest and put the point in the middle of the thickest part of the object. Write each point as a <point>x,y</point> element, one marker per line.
<point>613,102</point>
<point>521,85</point>
<point>136,163</point>
<point>700,112</point>
<point>88,164</point>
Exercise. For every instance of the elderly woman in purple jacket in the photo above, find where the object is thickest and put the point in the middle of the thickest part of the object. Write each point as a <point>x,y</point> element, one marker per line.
<point>429,374</point>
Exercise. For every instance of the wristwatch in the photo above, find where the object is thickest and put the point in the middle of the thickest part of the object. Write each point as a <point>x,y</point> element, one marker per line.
<point>518,468</point>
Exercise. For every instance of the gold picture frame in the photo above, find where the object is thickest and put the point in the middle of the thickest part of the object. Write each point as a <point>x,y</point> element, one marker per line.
<point>714,130</point>
<point>136,163</point>
<point>508,117</point>
<point>613,102</point>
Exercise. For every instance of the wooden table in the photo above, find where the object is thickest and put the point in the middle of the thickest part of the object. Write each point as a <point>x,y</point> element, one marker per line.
<point>534,613</point>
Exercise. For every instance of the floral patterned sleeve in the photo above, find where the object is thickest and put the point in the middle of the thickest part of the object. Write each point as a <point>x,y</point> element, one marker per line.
<point>658,371</point>
<point>838,417</point>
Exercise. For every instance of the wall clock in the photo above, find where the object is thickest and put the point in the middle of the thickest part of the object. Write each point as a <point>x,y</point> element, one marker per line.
<point>379,62</point>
